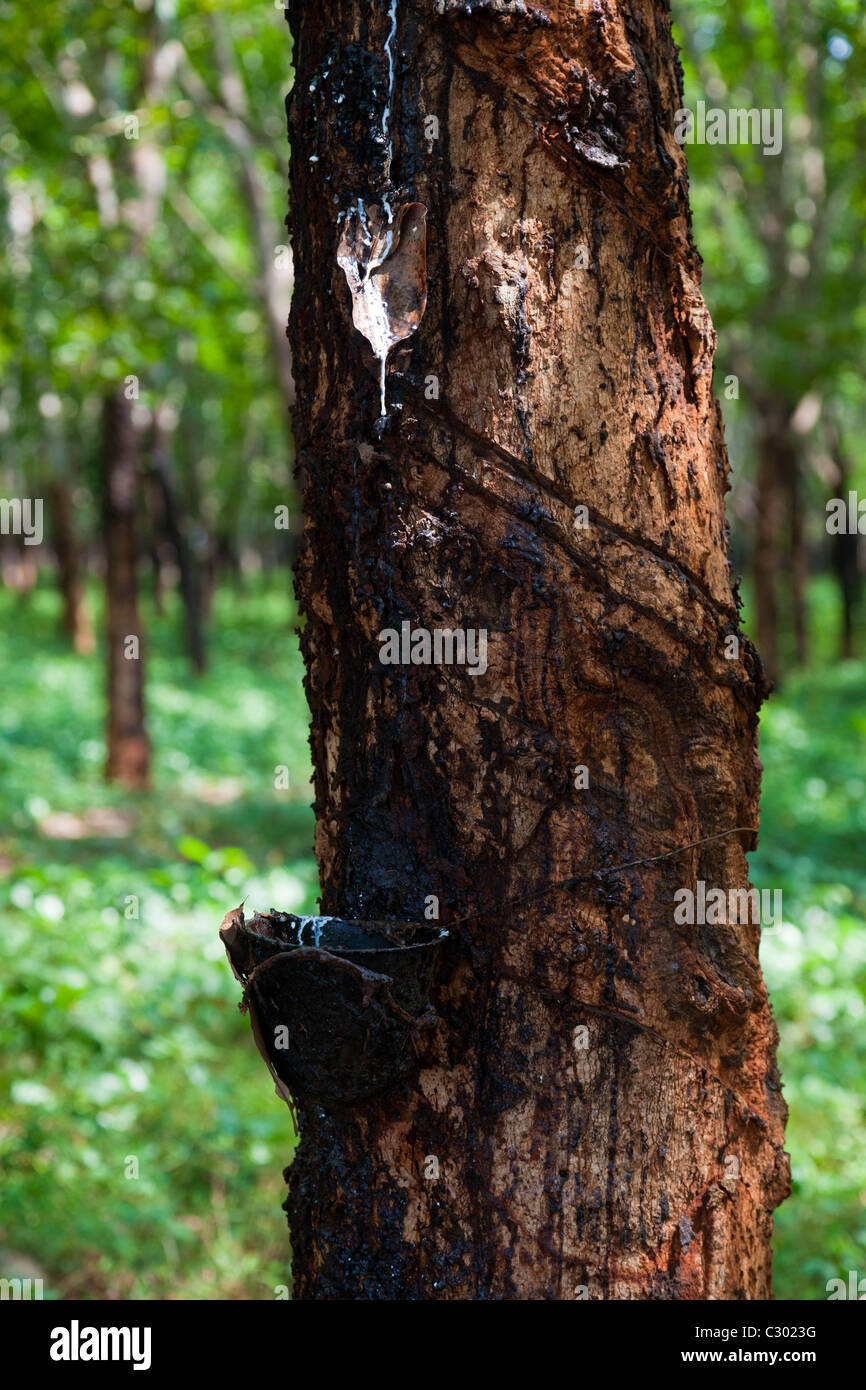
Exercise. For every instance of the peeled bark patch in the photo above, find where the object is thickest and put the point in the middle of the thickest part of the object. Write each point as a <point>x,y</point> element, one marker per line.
<point>386,270</point>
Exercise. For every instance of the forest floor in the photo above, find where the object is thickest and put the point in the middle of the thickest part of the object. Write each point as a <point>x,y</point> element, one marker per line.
<point>141,1144</point>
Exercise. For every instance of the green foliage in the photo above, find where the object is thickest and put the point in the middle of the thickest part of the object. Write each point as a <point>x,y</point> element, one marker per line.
<point>120,1035</point>
<point>782,237</point>
<point>134,250</point>
<point>782,234</point>
<point>813,827</point>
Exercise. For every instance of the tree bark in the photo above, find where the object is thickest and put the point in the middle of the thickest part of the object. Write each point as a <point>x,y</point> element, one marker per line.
<point>599,1093</point>
<point>128,748</point>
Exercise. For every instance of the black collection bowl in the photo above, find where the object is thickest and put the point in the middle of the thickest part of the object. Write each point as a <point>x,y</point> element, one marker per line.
<point>335,1004</point>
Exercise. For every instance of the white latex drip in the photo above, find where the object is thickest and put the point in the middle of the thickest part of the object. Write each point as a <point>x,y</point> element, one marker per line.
<point>365,230</point>
<point>388,143</point>
<point>381,339</point>
<point>378,329</point>
<point>382,364</point>
<point>382,346</point>
<point>315,924</point>
<point>386,114</point>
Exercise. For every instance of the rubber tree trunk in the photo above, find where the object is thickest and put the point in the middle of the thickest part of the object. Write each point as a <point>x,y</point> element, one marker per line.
<point>128,748</point>
<point>173,527</point>
<point>844,550</point>
<point>767,541</point>
<point>74,617</point>
<point>780,510</point>
<point>597,1112</point>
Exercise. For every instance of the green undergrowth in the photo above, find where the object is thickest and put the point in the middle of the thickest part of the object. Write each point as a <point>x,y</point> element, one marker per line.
<point>140,1140</point>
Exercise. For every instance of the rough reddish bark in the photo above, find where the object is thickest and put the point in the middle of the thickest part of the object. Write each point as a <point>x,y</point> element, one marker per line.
<point>128,747</point>
<point>573,355</point>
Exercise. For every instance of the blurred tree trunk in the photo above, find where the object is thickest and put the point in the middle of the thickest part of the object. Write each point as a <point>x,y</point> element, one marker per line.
<point>780,531</point>
<point>172,524</point>
<point>844,548</point>
<point>799,554</point>
<point>128,747</point>
<point>767,541</point>
<point>75,621</point>
<point>157,568</point>
<point>597,1112</point>
<point>18,566</point>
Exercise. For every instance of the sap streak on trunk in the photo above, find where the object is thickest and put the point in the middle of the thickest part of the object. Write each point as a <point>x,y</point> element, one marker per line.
<point>600,1094</point>
<point>128,748</point>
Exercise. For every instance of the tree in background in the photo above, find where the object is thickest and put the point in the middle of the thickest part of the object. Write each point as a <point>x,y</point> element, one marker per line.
<point>785,237</point>
<point>131,253</point>
<point>597,1113</point>
<point>128,748</point>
